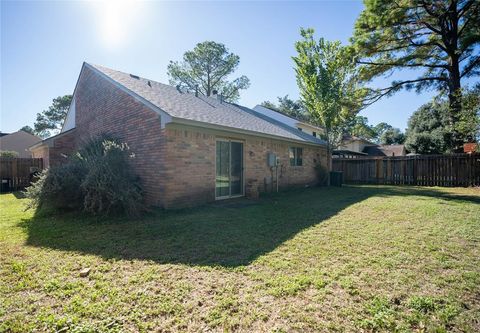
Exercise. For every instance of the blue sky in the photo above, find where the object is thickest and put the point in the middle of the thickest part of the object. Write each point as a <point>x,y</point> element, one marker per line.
<point>43,45</point>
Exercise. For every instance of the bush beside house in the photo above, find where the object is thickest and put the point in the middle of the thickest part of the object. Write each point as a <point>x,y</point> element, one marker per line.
<point>97,180</point>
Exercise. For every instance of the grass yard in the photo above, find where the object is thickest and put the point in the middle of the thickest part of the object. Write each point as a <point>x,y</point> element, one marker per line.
<point>357,258</point>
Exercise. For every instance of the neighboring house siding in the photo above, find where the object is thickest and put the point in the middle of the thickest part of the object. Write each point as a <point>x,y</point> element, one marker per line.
<point>190,172</point>
<point>19,142</point>
<point>103,108</point>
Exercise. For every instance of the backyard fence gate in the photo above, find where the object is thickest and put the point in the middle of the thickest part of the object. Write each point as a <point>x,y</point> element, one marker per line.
<point>17,173</point>
<point>424,170</point>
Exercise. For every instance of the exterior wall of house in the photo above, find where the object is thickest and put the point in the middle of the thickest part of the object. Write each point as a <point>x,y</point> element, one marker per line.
<point>309,129</point>
<point>102,108</point>
<point>55,149</point>
<point>190,172</point>
<point>355,145</point>
<point>42,152</point>
<point>176,163</point>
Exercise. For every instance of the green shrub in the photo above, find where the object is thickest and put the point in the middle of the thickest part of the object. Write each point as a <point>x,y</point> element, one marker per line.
<point>8,153</point>
<point>97,179</point>
<point>58,188</point>
<point>110,185</point>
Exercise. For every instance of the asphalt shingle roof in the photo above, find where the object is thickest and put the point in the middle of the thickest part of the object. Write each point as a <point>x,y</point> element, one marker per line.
<point>209,110</point>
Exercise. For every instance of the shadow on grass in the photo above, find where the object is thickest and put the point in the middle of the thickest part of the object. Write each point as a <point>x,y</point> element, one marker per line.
<point>215,235</point>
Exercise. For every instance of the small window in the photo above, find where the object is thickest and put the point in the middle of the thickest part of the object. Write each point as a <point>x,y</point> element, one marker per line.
<point>314,134</point>
<point>296,155</point>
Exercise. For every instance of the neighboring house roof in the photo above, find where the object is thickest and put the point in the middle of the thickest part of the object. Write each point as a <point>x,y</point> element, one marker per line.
<point>184,107</point>
<point>19,142</point>
<point>347,152</point>
<point>291,121</point>
<point>385,150</point>
<point>349,138</point>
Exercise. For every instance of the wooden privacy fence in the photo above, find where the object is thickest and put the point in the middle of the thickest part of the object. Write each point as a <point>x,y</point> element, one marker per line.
<point>424,170</point>
<point>16,173</point>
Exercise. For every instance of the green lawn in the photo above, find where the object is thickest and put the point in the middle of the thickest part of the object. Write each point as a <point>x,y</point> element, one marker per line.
<point>322,259</point>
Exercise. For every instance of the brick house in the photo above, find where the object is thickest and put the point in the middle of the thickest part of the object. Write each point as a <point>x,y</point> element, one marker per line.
<point>189,149</point>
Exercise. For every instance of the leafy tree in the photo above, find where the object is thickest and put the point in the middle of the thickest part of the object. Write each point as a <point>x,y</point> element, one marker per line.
<point>468,123</point>
<point>269,105</point>
<point>380,128</point>
<point>206,68</point>
<point>326,78</point>
<point>392,136</point>
<point>427,131</point>
<point>439,37</point>
<point>27,129</point>
<point>287,106</point>
<point>359,127</point>
<point>50,121</point>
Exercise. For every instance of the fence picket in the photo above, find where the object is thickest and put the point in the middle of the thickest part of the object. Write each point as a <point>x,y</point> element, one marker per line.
<point>425,170</point>
<point>17,172</point>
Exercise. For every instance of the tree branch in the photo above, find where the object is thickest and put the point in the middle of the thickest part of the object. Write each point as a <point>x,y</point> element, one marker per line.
<point>470,66</point>
<point>385,91</point>
<point>400,64</point>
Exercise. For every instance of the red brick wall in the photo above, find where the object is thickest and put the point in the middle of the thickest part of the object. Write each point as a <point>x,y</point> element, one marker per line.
<point>103,108</point>
<point>62,146</point>
<point>190,173</point>
<point>43,153</point>
<point>176,164</point>
<point>55,150</point>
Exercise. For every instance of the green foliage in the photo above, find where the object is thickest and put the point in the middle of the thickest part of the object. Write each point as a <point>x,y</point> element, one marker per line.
<point>50,121</point>
<point>380,129</point>
<point>392,136</point>
<point>207,68</point>
<point>359,127</point>
<point>97,180</point>
<point>288,106</point>
<point>381,315</point>
<point>8,153</point>
<point>57,188</point>
<point>468,123</point>
<point>422,303</point>
<point>427,129</point>
<point>109,186</point>
<point>328,88</point>
<point>440,38</point>
<point>27,129</point>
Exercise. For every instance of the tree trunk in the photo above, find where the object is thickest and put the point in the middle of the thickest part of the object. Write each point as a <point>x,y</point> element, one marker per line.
<point>450,37</point>
<point>455,103</point>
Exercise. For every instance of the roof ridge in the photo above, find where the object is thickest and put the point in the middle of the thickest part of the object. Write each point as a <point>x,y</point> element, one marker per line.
<point>178,106</point>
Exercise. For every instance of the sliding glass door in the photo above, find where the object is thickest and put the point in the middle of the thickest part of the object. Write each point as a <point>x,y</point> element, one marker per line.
<point>229,169</point>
